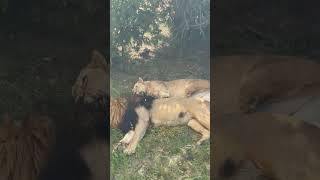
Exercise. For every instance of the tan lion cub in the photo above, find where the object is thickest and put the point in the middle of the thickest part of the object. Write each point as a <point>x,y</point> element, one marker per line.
<point>175,88</point>
<point>164,112</point>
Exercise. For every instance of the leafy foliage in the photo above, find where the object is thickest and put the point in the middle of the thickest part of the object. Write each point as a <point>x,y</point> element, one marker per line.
<point>132,19</point>
<point>190,20</point>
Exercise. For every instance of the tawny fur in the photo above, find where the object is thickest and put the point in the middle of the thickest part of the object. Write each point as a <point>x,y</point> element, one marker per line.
<point>92,80</point>
<point>282,147</point>
<point>117,110</point>
<point>24,149</point>
<point>202,95</point>
<point>172,112</point>
<point>80,143</point>
<point>274,80</point>
<point>81,148</point>
<point>174,88</point>
<point>239,79</point>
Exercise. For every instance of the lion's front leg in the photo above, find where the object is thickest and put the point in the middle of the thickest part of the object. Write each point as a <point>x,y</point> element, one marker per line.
<point>139,131</point>
<point>127,138</point>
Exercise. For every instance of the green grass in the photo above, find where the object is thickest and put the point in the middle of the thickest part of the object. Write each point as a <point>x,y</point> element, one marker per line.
<point>164,152</point>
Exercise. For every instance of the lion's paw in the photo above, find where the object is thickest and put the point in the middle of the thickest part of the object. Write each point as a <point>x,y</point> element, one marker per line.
<point>200,142</point>
<point>129,150</point>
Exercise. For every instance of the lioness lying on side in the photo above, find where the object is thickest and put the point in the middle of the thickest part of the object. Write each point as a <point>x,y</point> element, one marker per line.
<point>175,88</point>
<point>163,112</point>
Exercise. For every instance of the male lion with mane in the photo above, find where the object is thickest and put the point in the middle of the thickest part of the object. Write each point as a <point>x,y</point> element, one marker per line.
<point>81,148</point>
<point>143,110</point>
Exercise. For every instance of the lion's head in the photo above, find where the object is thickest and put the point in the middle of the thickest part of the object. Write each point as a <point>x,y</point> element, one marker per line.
<point>93,79</point>
<point>156,89</point>
<point>139,87</point>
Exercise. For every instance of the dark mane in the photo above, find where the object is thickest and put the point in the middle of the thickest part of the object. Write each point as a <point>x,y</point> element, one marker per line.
<point>89,124</point>
<point>130,117</point>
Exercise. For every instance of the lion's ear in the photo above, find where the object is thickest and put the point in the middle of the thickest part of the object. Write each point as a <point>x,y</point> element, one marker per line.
<point>140,79</point>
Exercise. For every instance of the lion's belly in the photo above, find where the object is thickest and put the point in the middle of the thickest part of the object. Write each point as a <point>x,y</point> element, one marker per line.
<point>168,115</point>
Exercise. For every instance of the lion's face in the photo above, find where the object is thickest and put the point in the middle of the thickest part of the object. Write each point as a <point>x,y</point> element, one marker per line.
<point>139,87</point>
<point>92,80</point>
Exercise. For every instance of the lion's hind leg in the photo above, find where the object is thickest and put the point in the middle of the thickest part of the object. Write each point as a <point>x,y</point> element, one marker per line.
<point>195,125</point>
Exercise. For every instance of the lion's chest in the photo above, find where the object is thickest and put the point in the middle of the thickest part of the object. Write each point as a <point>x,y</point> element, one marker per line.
<point>169,114</point>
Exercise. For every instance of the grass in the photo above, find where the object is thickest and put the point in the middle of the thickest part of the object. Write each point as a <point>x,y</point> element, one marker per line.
<point>165,152</point>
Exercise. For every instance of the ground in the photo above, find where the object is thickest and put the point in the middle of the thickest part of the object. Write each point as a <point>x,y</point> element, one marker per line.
<point>164,153</point>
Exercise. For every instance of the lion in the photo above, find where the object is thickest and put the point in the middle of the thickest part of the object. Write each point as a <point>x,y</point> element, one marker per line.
<point>81,147</point>
<point>163,112</point>
<point>270,81</point>
<point>119,105</point>
<point>82,143</point>
<point>24,147</point>
<point>241,82</point>
<point>280,146</point>
<point>93,79</point>
<point>174,88</point>
<point>269,84</point>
